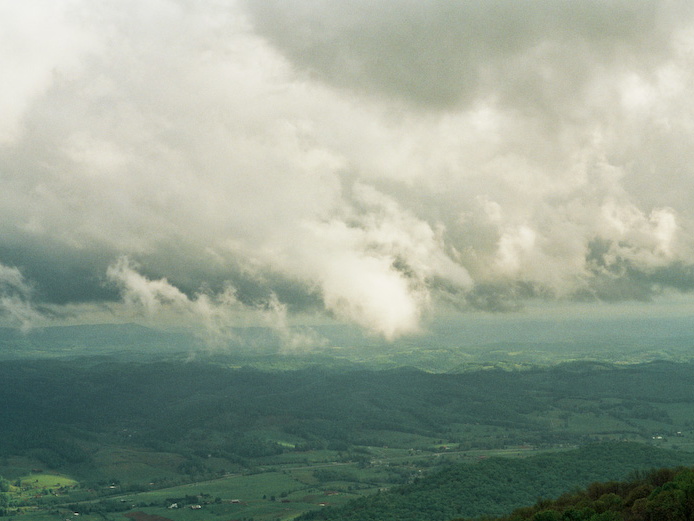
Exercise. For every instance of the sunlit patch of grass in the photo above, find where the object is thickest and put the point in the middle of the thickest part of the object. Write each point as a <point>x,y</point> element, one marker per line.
<point>46,480</point>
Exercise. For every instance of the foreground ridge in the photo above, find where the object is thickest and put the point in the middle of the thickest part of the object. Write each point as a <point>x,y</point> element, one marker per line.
<point>656,495</point>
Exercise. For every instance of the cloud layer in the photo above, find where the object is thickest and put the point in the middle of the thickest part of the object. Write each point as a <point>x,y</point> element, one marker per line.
<point>360,160</point>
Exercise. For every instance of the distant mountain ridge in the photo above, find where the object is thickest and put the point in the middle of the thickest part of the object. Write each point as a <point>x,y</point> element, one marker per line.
<point>78,340</point>
<point>446,346</point>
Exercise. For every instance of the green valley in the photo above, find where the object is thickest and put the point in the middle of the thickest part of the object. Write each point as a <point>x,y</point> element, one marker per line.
<point>103,436</point>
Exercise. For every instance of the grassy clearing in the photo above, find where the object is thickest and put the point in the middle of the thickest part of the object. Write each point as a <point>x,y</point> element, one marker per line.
<point>241,487</point>
<point>46,480</point>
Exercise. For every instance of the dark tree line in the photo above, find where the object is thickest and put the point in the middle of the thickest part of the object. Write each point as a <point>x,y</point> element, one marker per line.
<point>658,495</point>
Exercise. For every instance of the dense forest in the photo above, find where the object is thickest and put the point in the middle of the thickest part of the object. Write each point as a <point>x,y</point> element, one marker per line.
<point>196,408</point>
<point>203,408</point>
<point>658,495</point>
<point>496,486</point>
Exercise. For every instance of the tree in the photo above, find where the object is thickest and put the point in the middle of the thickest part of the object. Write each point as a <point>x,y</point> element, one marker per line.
<point>668,505</point>
<point>547,515</point>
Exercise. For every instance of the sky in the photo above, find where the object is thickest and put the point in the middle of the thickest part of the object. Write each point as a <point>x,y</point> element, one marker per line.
<point>228,163</point>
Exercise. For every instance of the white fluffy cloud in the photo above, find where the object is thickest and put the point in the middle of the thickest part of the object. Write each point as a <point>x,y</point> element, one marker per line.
<point>363,160</point>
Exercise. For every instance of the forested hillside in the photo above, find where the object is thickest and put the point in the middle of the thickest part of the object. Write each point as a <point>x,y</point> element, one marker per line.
<point>56,410</point>
<point>658,495</point>
<point>497,486</point>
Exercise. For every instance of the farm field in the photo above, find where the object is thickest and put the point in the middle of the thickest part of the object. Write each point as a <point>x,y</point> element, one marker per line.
<point>283,493</point>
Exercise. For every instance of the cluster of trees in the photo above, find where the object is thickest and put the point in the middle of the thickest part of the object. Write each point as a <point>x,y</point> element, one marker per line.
<point>4,496</point>
<point>496,486</point>
<point>658,495</point>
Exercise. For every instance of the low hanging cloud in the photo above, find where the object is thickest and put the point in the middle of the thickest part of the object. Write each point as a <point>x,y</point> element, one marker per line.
<point>365,163</point>
<point>212,315</point>
<point>16,299</point>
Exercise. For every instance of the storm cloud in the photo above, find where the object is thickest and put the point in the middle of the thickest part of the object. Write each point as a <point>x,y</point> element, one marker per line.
<point>369,162</point>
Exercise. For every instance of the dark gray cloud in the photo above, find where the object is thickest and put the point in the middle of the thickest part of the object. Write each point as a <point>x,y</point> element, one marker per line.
<point>616,278</point>
<point>442,54</point>
<point>60,275</point>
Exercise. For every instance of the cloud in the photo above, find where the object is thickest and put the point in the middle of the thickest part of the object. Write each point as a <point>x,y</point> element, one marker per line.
<point>213,315</point>
<point>215,312</point>
<point>16,298</point>
<point>360,162</point>
<point>375,262</point>
<point>33,62</point>
<point>441,54</point>
<point>274,315</point>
